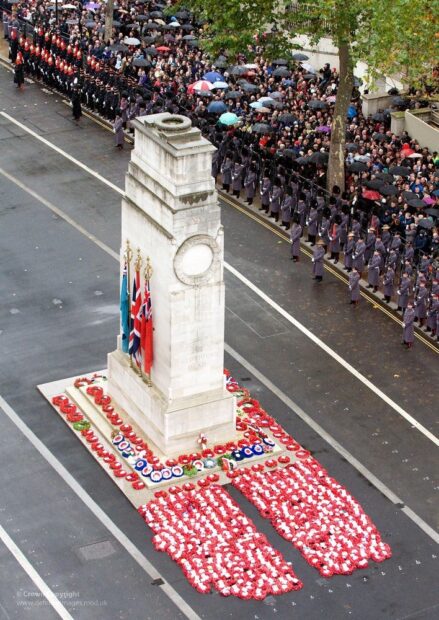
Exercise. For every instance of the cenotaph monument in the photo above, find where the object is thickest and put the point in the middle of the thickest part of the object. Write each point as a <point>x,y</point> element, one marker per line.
<point>171,213</point>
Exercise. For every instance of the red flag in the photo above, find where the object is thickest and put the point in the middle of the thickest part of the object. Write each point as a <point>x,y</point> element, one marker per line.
<point>146,336</point>
<point>135,333</point>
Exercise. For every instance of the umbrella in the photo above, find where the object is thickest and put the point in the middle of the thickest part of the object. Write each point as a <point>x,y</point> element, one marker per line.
<point>193,43</point>
<point>169,38</point>
<point>316,104</point>
<point>281,72</point>
<point>174,24</point>
<point>187,27</point>
<point>387,178</point>
<point>213,76</point>
<point>264,110</point>
<point>250,88</point>
<point>220,85</point>
<point>150,51</point>
<point>72,22</point>
<point>234,94</point>
<point>302,160</point>
<point>261,128</point>
<point>400,171</point>
<point>252,65</point>
<point>352,147</point>
<point>279,62</point>
<point>266,100</point>
<point>389,190</point>
<point>289,153</point>
<point>287,119</point>
<point>409,195</point>
<point>432,212</point>
<point>70,6</point>
<point>415,155</point>
<point>425,223</point>
<point>277,105</point>
<point>151,26</point>
<point>357,166</point>
<point>237,70</point>
<point>141,62</point>
<point>374,184</point>
<point>155,14</point>
<point>319,158</point>
<point>324,129</point>
<point>399,101</point>
<point>308,76</point>
<point>142,18</point>
<point>116,24</point>
<point>189,37</point>
<point>163,49</point>
<point>90,24</point>
<point>256,105</point>
<point>308,67</point>
<point>228,118</point>
<point>131,41</point>
<point>379,117</point>
<point>200,85</point>
<point>276,95</point>
<point>217,107</point>
<point>118,47</point>
<point>220,64</point>
<point>370,194</point>
<point>416,203</point>
<point>299,56</point>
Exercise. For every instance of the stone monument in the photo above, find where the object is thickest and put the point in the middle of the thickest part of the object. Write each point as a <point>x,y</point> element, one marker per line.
<point>170,213</point>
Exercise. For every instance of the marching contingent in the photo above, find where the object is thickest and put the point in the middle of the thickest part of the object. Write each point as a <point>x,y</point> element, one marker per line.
<point>271,124</point>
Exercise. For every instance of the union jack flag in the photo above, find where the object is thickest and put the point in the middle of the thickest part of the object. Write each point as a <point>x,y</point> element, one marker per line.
<point>147,330</point>
<point>136,319</point>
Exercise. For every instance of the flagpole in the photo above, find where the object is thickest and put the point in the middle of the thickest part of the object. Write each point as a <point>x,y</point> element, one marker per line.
<point>147,273</point>
<point>128,256</point>
<point>137,266</point>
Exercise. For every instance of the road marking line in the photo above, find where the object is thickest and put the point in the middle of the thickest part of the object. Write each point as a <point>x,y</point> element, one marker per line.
<point>117,533</point>
<point>64,154</point>
<point>285,237</point>
<point>32,573</point>
<point>333,354</point>
<point>366,473</point>
<point>260,294</point>
<point>60,214</point>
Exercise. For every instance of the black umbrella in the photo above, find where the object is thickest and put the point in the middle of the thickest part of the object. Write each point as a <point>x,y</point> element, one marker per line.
<point>432,212</point>
<point>141,62</point>
<point>156,14</point>
<point>287,119</point>
<point>400,171</point>
<point>277,105</point>
<point>187,27</point>
<point>149,40</point>
<point>374,184</point>
<point>302,160</point>
<point>316,104</point>
<point>387,178</point>
<point>319,158</point>
<point>118,47</point>
<point>425,223</point>
<point>261,128</point>
<point>151,26</point>
<point>399,101</point>
<point>237,70</point>
<point>281,72</point>
<point>142,18</point>
<point>193,43</point>
<point>168,37</point>
<point>182,15</point>
<point>379,117</point>
<point>309,76</point>
<point>417,203</point>
<point>409,195</point>
<point>189,37</point>
<point>351,147</point>
<point>357,166</point>
<point>90,24</point>
<point>378,137</point>
<point>279,62</point>
<point>250,88</point>
<point>220,64</point>
<point>289,153</point>
<point>234,94</point>
<point>116,24</point>
<point>389,190</point>
<point>299,56</point>
<point>151,51</point>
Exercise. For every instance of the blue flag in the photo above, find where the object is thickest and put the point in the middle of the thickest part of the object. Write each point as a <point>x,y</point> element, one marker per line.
<point>124,314</point>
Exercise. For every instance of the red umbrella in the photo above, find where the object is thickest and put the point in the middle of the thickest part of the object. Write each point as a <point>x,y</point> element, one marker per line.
<point>370,194</point>
<point>163,48</point>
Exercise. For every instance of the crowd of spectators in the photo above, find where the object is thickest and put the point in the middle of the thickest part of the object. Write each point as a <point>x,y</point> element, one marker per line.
<point>271,123</point>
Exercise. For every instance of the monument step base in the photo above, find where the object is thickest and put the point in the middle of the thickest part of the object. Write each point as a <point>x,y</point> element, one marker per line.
<point>102,431</point>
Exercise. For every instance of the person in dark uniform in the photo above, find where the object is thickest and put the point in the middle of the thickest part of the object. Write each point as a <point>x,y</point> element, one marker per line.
<point>19,71</point>
<point>226,171</point>
<point>265,191</point>
<point>354,287</point>
<point>317,260</point>
<point>408,327</point>
<point>286,208</point>
<point>295,234</point>
<point>76,103</point>
<point>250,181</point>
<point>388,284</point>
<point>404,291</point>
<point>373,276</point>
<point>348,252</point>
<point>275,200</point>
<point>312,224</point>
<point>421,303</point>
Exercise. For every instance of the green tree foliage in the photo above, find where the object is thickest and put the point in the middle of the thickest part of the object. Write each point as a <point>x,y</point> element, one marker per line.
<point>392,37</point>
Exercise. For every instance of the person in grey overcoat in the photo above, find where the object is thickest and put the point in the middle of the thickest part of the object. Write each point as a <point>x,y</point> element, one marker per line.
<point>312,224</point>
<point>358,255</point>
<point>226,171</point>
<point>119,135</point>
<point>237,173</point>
<point>356,228</point>
<point>286,208</point>
<point>334,238</point>
<point>317,261</point>
<point>373,275</point>
<point>408,327</point>
<point>348,252</point>
<point>421,303</point>
<point>386,236</point>
<point>381,248</point>
<point>370,244</point>
<point>275,196</point>
<point>265,191</point>
<point>301,209</point>
<point>388,284</point>
<point>250,180</point>
<point>295,234</point>
<point>324,231</point>
<point>404,291</point>
<point>354,286</point>
<point>432,313</point>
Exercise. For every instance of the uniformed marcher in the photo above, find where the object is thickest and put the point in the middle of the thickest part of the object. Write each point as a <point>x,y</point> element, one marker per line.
<point>295,234</point>
<point>118,131</point>
<point>358,256</point>
<point>324,231</point>
<point>334,239</point>
<point>408,327</point>
<point>370,245</point>
<point>226,171</point>
<point>265,191</point>
<point>275,196</point>
<point>312,224</point>
<point>404,291</point>
<point>250,181</point>
<point>373,275</point>
<point>348,252</point>
<point>421,303</point>
<point>354,286</point>
<point>432,314</point>
<point>286,208</point>
<point>237,173</point>
<point>386,237</point>
<point>317,260</point>
<point>388,284</point>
